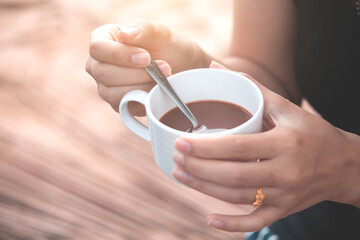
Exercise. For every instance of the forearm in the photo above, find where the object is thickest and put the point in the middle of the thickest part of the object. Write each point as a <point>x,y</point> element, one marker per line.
<point>198,58</point>
<point>262,75</point>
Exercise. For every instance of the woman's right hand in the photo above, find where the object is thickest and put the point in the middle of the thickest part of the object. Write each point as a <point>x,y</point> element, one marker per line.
<point>118,55</point>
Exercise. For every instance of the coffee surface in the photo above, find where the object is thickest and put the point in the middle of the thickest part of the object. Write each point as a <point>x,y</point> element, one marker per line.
<point>211,113</point>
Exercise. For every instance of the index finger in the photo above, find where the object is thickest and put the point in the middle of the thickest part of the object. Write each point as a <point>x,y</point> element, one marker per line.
<point>242,146</point>
<point>106,47</point>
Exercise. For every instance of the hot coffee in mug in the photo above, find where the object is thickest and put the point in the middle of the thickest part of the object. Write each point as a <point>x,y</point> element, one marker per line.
<point>218,99</point>
<point>210,113</point>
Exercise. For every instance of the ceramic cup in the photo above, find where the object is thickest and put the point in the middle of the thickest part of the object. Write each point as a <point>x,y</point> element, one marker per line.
<point>191,85</point>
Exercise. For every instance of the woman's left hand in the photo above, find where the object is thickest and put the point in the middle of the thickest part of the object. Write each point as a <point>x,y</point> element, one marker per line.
<point>304,160</point>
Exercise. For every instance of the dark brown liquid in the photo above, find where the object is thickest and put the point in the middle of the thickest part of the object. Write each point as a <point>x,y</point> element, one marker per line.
<point>212,114</point>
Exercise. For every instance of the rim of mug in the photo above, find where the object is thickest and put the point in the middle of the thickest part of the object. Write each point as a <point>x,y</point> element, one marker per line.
<point>225,132</point>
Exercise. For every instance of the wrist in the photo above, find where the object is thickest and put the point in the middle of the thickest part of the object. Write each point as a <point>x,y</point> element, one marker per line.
<point>351,186</point>
<point>355,156</point>
<point>188,55</point>
<point>201,58</point>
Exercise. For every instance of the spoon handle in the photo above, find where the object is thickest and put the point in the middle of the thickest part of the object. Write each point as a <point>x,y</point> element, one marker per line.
<point>155,72</point>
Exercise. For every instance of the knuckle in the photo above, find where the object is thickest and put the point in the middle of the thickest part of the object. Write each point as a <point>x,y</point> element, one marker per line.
<point>294,176</point>
<point>93,47</point>
<point>108,94</point>
<point>88,66</point>
<point>239,147</point>
<point>289,197</point>
<point>234,177</point>
<point>102,90</point>
<point>293,141</point>
<point>98,72</point>
<point>162,30</point>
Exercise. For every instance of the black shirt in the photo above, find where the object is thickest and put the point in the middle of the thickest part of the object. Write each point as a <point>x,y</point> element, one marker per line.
<point>328,60</point>
<point>328,74</point>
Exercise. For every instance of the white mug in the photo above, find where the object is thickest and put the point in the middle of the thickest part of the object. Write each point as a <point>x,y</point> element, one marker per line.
<point>191,85</point>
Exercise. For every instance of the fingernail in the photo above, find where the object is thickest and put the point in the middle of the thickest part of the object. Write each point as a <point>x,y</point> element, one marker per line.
<point>182,145</point>
<point>215,223</point>
<point>142,58</point>
<point>179,159</point>
<point>217,65</point>
<point>131,31</point>
<point>181,175</point>
<point>166,69</point>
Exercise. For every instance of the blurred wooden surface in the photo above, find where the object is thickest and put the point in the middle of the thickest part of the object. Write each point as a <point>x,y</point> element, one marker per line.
<point>69,169</point>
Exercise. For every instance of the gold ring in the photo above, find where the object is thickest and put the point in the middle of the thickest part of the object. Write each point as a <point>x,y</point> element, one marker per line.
<point>259,198</point>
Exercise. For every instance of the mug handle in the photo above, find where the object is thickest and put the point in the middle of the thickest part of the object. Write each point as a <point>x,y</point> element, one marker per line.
<point>129,120</point>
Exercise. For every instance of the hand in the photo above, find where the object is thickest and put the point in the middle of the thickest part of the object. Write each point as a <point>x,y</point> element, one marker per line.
<point>118,55</point>
<point>304,160</point>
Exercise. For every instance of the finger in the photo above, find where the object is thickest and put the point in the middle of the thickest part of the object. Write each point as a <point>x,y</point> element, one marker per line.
<point>150,35</point>
<point>268,95</point>
<point>165,67</point>
<point>106,32</point>
<point>113,95</point>
<point>111,75</point>
<point>241,147</point>
<point>260,218</point>
<point>217,65</point>
<point>273,103</point>
<point>105,46</point>
<point>275,106</point>
<point>112,52</point>
<point>263,89</point>
<point>225,193</point>
<point>135,109</point>
<point>230,173</point>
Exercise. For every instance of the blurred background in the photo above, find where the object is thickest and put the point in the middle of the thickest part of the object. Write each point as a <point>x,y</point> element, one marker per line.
<point>69,168</point>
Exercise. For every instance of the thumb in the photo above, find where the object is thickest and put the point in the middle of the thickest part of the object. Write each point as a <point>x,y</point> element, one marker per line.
<point>273,102</point>
<point>217,65</point>
<point>266,92</point>
<point>146,34</point>
<point>164,67</point>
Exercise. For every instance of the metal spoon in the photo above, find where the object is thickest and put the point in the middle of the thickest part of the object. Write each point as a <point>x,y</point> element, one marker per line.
<point>155,72</point>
